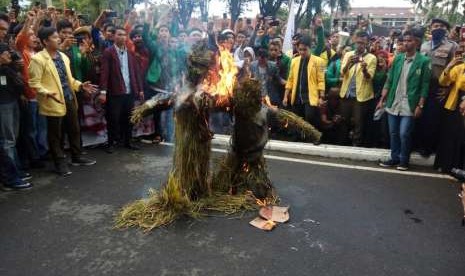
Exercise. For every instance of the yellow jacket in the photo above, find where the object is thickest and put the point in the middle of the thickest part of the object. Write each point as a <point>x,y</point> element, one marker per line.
<point>364,86</point>
<point>44,78</point>
<point>456,78</point>
<point>316,78</point>
<point>324,56</point>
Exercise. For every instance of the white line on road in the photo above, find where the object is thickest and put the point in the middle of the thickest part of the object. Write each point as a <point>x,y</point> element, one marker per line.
<point>343,166</point>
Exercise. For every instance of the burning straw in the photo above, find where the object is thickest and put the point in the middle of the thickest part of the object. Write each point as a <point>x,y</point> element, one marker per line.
<point>244,168</point>
<point>188,190</point>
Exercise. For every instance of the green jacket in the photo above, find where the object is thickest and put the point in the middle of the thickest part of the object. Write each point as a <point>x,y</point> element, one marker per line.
<point>320,42</point>
<point>154,70</point>
<point>379,79</point>
<point>418,79</point>
<point>333,74</point>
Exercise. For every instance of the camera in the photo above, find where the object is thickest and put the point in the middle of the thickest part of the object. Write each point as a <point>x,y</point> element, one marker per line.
<point>14,56</point>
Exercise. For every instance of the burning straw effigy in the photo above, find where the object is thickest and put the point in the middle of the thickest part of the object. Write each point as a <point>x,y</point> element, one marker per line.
<point>241,181</point>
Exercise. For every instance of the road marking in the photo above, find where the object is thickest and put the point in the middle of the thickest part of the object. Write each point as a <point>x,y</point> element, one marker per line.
<point>343,166</point>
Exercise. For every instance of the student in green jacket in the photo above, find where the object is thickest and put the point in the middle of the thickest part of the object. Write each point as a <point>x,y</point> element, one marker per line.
<point>404,96</point>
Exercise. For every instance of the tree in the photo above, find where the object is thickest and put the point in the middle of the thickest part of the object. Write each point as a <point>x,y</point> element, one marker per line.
<point>236,7</point>
<point>185,9</point>
<point>306,11</point>
<point>337,6</point>
<point>447,9</point>
<point>270,7</point>
<point>204,5</point>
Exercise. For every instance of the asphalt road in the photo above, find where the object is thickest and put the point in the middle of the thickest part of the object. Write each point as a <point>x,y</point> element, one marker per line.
<point>343,222</point>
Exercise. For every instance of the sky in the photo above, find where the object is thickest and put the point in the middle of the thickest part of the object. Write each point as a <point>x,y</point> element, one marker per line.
<point>220,6</point>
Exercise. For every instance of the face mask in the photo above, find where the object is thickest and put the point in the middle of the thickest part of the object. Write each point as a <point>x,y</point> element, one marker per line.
<point>438,35</point>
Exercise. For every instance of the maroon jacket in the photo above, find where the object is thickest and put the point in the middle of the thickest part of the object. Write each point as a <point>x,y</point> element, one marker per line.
<point>111,78</point>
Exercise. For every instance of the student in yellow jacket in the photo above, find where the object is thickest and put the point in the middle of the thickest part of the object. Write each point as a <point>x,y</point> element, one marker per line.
<point>357,70</point>
<point>305,87</point>
<point>50,76</point>
<point>450,151</point>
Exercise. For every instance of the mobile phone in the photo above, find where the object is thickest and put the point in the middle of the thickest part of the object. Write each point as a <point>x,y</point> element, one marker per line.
<point>274,23</point>
<point>79,38</point>
<point>225,16</point>
<point>83,17</point>
<point>69,12</point>
<point>248,21</point>
<point>112,14</point>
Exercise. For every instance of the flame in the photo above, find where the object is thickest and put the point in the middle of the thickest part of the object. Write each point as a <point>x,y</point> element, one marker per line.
<point>221,78</point>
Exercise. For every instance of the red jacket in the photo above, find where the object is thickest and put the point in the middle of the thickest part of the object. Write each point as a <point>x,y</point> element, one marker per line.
<point>111,78</point>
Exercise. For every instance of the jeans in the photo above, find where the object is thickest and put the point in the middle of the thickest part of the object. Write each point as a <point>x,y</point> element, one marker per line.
<point>9,174</point>
<point>9,129</point>
<point>34,131</point>
<point>38,129</point>
<point>401,129</point>
<point>167,125</point>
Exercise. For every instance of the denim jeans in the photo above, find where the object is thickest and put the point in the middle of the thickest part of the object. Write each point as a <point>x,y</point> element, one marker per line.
<point>9,174</point>
<point>167,124</point>
<point>37,131</point>
<point>401,131</point>
<point>9,129</point>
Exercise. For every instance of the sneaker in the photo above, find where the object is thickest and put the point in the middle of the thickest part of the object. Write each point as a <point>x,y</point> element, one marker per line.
<point>22,185</point>
<point>62,169</point>
<point>25,176</point>
<point>388,164</point>
<point>110,149</point>
<point>131,146</point>
<point>402,167</point>
<point>82,161</point>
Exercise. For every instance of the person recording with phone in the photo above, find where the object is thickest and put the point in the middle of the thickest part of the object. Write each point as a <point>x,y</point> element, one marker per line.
<point>357,70</point>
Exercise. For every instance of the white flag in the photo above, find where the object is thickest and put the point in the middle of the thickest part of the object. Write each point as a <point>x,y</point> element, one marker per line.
<point>287,45</point>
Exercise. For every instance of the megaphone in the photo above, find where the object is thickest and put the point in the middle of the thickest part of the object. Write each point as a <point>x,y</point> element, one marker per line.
<point>343,39</point>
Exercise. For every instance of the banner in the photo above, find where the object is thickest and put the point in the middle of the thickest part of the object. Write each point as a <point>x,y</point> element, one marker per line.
<point>290,29</point>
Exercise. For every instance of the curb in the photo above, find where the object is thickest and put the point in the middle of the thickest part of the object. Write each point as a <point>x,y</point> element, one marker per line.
<point>330,151</point>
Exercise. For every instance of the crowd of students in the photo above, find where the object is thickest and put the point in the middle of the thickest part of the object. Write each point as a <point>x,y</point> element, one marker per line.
<point>61,76</point>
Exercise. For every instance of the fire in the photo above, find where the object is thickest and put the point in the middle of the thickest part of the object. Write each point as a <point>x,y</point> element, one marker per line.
<point>222,77</point>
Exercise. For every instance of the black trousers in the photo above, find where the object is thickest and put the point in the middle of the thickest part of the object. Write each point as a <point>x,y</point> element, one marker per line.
<point>118,113</point>
<point>311,114</point>
<point>426,135</point>
<point>69,125</point>
<point>357,114</point>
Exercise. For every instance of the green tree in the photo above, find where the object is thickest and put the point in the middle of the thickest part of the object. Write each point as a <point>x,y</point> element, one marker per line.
<point>270,7</point>
<point>451,10</point>
<point>236,8</point>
